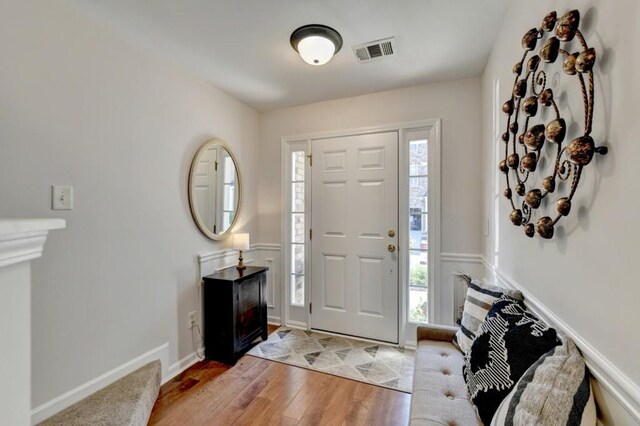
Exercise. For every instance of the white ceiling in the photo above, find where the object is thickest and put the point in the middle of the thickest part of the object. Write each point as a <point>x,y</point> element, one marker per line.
<point>242,46</point>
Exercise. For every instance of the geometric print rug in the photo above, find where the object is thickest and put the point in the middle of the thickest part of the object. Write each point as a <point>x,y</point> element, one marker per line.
<point>381,365</point>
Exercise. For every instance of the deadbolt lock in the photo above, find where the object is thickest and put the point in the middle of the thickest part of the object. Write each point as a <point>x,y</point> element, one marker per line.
<point>391,248</point>
<point>392,233</point>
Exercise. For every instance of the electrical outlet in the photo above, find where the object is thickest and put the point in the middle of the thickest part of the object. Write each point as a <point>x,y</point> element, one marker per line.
<point>191,321</point>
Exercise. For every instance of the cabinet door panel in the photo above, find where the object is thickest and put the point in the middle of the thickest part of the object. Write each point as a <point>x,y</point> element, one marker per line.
<point>249,309</point>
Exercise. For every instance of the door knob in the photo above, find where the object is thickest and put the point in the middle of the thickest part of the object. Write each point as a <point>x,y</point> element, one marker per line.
<point>391,248</point>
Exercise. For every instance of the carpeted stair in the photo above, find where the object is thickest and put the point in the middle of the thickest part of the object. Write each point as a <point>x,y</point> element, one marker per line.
<point>128,401</point>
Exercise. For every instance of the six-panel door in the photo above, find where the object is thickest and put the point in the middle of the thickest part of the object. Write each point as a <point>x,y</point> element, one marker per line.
<point>354,265</point>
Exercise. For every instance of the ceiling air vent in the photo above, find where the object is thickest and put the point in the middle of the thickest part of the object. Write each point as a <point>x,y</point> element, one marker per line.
<point>373,50</point>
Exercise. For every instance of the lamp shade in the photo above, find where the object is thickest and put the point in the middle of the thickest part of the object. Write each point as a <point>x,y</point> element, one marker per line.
<point>316,43</point>
<point>240,242</point>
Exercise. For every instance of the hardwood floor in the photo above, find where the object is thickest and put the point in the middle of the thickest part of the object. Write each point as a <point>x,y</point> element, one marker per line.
<point>261,392</point>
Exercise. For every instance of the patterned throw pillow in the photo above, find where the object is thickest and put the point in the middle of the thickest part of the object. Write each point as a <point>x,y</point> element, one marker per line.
<point>479,299</point>
<point>509,341</point>
<point>553,391</point>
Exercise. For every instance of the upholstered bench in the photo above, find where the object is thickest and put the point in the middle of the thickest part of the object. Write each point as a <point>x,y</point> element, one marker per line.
<point>440,393</point>
<point>439,390</point>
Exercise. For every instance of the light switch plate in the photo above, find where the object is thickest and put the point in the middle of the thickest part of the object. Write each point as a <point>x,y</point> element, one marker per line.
<point>61,197</point>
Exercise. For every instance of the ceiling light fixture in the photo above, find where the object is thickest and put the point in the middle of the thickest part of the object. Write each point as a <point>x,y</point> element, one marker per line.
<point>316,43</point>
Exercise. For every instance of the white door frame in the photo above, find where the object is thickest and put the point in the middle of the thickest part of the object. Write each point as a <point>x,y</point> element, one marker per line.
<point>299,316</point>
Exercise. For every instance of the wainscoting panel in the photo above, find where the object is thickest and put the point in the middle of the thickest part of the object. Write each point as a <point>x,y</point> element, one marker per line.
<point>454,265</point>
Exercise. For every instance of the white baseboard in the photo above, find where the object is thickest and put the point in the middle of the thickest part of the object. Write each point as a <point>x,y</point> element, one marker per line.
<point>69,398</point>
<point>297,324</point>
<point>273,320</point>
<point>182,365</point>
<point>608,376</point>
<point>411,344</point>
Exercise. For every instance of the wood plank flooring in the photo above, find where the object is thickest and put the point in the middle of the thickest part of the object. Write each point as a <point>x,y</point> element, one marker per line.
<point>262,392</point>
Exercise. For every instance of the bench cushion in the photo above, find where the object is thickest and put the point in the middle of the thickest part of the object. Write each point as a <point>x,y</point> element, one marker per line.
<point>439,391</point>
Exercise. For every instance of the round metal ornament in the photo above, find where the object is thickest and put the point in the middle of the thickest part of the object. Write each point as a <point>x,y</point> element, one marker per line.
<point>524,138</point>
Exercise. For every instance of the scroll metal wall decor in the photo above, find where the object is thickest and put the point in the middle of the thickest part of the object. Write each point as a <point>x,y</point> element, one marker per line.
<point>527,95</point>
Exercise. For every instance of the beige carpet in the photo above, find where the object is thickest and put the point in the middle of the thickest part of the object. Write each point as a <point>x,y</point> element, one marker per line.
<point>126,402</point>
<point>377,364</point>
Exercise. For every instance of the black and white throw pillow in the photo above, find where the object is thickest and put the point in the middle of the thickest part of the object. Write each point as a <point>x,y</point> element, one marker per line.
<point>480,297</point>
<point>510,340</point>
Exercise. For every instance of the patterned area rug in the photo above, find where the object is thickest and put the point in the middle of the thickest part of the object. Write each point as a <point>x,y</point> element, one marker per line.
<point>377,364</point>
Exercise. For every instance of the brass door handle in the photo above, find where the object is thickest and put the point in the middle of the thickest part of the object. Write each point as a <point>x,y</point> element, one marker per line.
<point>391,248</point>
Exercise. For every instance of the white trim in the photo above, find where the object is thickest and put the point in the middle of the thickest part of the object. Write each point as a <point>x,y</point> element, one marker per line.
<point>22,240</point>
<point>461,258</point>
<point>621,387</point>
<point>274,320</point>
<point>403,235</point>
<point>233,264</point>
<point>432,127</point>
<point>215,255</point>
<point>434,217</point>
<point>182,365</point>
<point>21,248</point>
<point>271,290</point>
<point>410,344</point>
<point>26,226</point>
<point>297,324</point>
<point>266,247</point>
<point>289,145</point>
<point>59,403</point>
<point>364,130</point>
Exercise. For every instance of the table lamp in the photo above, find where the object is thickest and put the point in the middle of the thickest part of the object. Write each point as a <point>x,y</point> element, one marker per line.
<point>240,243</point>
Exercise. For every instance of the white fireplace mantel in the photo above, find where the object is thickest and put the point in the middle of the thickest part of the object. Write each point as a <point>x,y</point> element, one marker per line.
<point>21,240</point>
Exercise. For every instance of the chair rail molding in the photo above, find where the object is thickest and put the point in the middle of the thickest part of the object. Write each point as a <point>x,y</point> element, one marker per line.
<point>461,258</point>
<point>623,390</point>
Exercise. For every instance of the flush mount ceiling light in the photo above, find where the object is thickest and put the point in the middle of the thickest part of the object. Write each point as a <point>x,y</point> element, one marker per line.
<point>316,43</point>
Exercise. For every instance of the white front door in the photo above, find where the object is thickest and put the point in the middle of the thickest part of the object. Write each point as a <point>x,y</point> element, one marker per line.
<point>354,220</point>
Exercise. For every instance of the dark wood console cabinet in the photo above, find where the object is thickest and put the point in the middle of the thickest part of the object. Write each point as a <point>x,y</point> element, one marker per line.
<point>235,312</point>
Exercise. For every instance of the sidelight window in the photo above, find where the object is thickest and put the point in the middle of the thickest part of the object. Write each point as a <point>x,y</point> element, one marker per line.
<point>418,231</point>
<point>297,242</point>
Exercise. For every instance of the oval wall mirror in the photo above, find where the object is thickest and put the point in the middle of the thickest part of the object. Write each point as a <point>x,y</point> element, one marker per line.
<point>215,189</point>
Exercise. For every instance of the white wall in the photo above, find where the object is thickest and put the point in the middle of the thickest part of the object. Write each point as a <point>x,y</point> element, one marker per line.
<point>457,103</point>
<point>586,274</point>
<point>78,106</point>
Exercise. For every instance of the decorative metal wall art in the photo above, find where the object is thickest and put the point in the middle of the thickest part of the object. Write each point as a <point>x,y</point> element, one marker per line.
<point>525,100</point>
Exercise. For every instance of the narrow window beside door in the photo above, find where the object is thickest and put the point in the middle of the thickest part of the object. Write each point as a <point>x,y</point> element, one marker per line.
<point>297,227</point>
<point>418,231</point>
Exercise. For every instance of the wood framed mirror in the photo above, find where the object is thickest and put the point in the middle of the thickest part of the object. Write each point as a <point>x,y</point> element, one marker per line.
<point>215,189</point>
